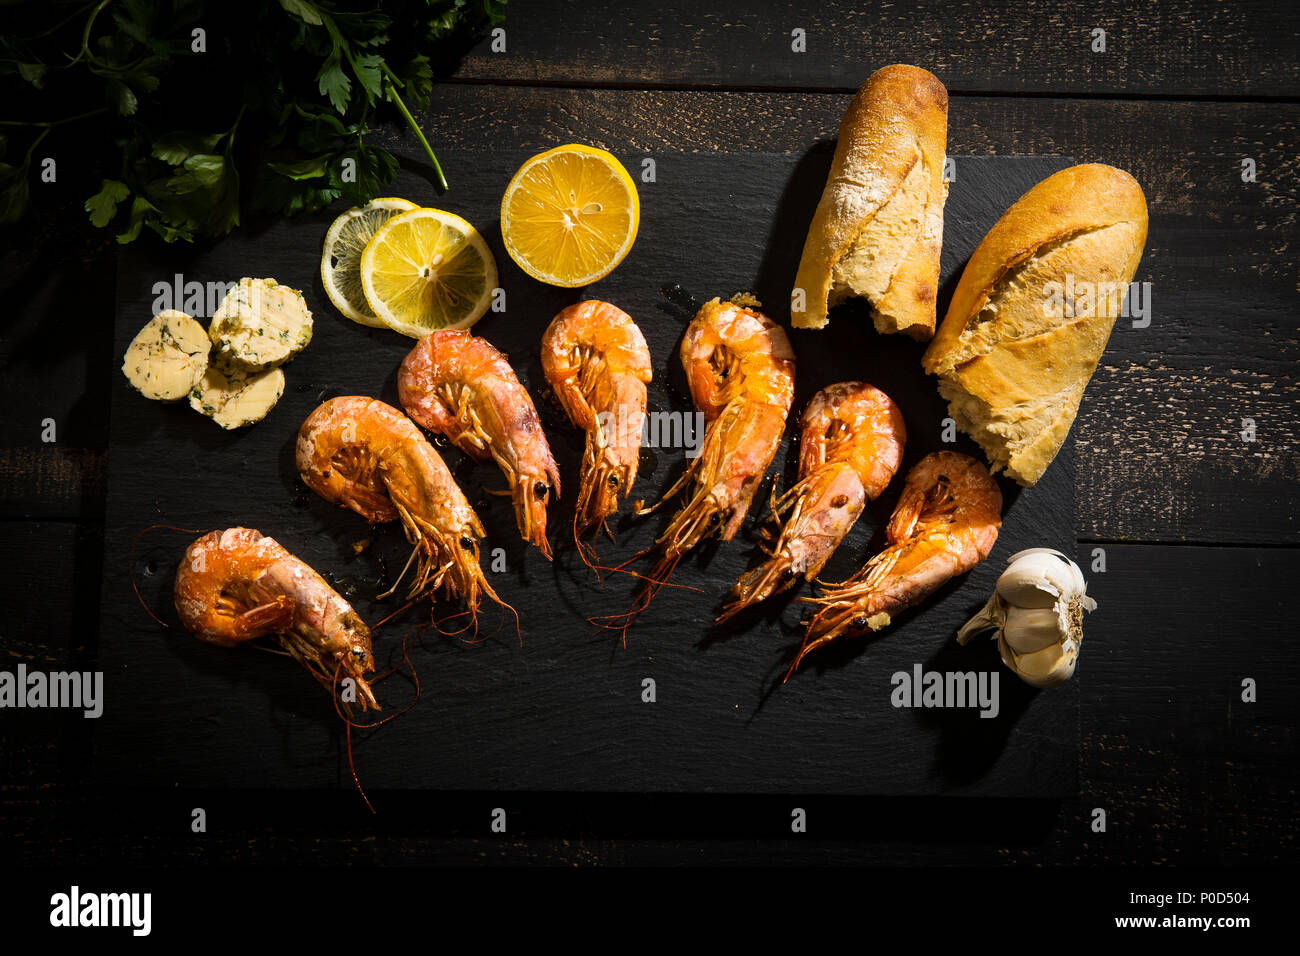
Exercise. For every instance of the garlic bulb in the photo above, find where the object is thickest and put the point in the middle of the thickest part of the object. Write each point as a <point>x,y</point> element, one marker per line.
<point>1037,612</point>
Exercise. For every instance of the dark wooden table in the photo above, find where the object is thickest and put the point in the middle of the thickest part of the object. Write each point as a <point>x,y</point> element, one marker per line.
<point>1198,525</point>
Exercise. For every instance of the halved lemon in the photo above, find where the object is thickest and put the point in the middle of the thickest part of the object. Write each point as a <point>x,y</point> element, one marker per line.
<point>427,269</point>
<point>340,262</point>
<point>570,215</point>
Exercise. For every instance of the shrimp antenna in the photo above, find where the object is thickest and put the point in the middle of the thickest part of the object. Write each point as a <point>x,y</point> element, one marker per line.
<point>131,566</point>
<point>396,584</point>
<point>473,623</point>
<point>811,643</point>
<point>349,723</point>
<point>585,550</point>
<point>588,552</point>
<point>409,604</point>
<point>664,569</point>
<point>347,733</point>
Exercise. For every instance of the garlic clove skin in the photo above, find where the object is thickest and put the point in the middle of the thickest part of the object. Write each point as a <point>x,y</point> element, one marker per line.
<point>990,617</point>
<point>1038,577</point>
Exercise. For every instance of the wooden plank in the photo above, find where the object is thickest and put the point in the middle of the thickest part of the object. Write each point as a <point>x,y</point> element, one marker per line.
<point>55,349</point>
<point>51,573</point>
<point>1187,772</point>
<point>1039,46</point>
<point>1168,740</point>
<point>51,481</point>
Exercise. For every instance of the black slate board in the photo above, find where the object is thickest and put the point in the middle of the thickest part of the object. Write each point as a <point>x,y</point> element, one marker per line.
<point>562,710</point>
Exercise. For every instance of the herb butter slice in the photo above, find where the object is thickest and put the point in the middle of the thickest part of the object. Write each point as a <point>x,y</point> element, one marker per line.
<point>260,324</point>
<point>234,399</point>
<point>168,357</point>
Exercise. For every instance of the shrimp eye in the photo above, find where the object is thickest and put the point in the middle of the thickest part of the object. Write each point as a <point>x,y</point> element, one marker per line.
<point>467,544</point>
<point>540,489</point>
<point>840,501</point>
<point>613,481</point>
<point>713,518</point>
<point>787,574</point>
<point>860,622</point>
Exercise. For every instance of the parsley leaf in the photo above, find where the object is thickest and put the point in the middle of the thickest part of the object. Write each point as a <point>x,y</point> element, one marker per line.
<point>302,82</point>
<point>103,205</point>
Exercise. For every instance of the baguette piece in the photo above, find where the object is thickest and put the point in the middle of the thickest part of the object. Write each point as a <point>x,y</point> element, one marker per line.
<point>1032,312</point>
<point>879,226</point>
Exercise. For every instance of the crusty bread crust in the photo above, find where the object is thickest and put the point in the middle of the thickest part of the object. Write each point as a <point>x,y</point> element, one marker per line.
<point>897,120</point>
<point>1012,365</point>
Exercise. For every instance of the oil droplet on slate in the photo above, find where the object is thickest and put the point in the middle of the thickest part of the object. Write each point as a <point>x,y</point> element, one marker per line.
<point>680,297</point>
<point>344,586</point>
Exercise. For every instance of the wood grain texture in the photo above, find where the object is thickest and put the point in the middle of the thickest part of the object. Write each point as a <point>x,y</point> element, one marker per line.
<point>1036,47</point>
<point>1187,772</point>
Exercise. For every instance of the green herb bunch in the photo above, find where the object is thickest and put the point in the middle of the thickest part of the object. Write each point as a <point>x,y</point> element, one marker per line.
<point>193,109</point>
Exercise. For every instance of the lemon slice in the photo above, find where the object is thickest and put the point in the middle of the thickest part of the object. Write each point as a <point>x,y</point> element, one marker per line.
<point>427,269</point>
<point>570,215</point>
<point>340,262</point>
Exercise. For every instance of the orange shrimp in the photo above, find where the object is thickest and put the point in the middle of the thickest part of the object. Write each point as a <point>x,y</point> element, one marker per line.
<point>367,456</point>
<point>458,385</point>
<point>851,446</point>
<point>946,522</point>
<point>236,585</point>
<point>741,372</point>
<point>596,360</point>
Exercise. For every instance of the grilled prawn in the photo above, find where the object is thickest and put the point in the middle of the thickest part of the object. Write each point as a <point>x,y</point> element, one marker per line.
<point>851,446</point>
<point>946,522</point>
<point>236,585</point>
<point>741,372</point>
<point>367,456</point>
<point>456,384</point>
<point>596,360</point>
